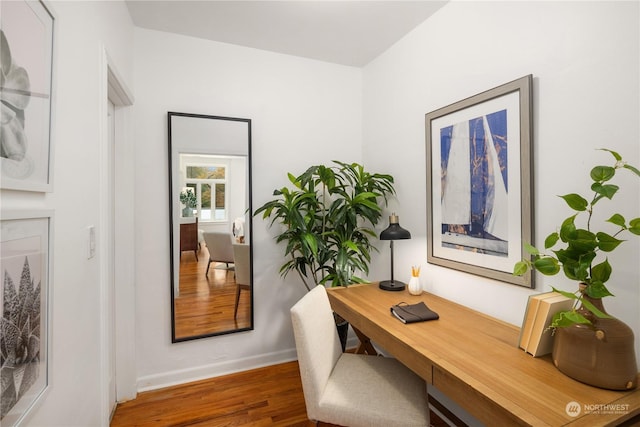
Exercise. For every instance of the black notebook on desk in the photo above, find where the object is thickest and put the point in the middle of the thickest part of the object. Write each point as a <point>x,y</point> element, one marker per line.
<point>411,313</point>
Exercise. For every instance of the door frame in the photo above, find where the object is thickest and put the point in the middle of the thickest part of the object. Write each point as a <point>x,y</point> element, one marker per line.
<point>122,264</point>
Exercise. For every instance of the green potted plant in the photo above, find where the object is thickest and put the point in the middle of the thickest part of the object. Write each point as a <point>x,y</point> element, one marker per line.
<point>327,219</point>
<point>581,256</point>
<point>188,199</point>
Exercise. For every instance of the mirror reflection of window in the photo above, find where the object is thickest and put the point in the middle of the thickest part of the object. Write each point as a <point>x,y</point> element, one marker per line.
<point>202,173</point>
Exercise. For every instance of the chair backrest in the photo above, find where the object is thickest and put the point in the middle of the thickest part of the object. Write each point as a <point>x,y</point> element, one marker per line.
<point>241,260</point>
<point>219,246</point>
<point>317,343</point>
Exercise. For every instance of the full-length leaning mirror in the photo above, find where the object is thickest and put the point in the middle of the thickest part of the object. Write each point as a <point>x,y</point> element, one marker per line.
<point>210,231</point>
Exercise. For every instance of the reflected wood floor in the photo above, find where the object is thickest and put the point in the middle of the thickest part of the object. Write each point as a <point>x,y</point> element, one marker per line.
<point>269,396</point>
<point>206,303</point>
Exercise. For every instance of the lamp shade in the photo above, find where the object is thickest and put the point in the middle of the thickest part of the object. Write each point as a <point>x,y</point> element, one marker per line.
<point>394,231</point>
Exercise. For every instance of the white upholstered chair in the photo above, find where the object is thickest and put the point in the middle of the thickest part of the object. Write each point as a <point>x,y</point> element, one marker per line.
<point>242,262</point>
<point>351,389</point>
<point>219,247</point>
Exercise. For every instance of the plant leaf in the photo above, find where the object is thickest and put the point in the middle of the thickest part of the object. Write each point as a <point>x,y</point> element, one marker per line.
<point>547,266</point>
<point>576,202</point>
<point>617,156</point>
<point>575,270</point>
<point>551,240</point>
<point>567,318</point>
<point>597,289</point>
<point>606,242</point>
<point>632,169</point>
<point>520,268</point>
<point>311,243</point>
<point>565,293</point>
<point>602,173</point>
<point>592,308</point>
<point>568,229</point>
<point>606,190</point>
<point>295,181</point>
<point>618,220</point>
<point>531,249</point>
<point>582,240</point>
<point>601,272</point>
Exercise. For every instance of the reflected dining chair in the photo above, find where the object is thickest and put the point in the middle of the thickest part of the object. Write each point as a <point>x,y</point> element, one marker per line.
<point>219,247</point>
<point>350,389</point>
<point>242,261</point>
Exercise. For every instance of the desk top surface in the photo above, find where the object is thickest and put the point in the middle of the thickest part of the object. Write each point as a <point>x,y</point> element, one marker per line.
<point>475,360</point>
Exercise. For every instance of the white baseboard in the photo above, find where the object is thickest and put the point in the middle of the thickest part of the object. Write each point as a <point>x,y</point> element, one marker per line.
<point>181,376</point>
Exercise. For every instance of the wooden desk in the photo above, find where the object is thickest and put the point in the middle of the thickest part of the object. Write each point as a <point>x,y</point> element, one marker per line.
<point>474,359</point>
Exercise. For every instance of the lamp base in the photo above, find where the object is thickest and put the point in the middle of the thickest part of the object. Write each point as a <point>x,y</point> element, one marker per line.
<point>392,285</point>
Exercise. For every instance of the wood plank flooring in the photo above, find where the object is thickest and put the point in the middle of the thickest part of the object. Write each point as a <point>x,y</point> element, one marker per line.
<point>206,302</point>
<point>269,396</point>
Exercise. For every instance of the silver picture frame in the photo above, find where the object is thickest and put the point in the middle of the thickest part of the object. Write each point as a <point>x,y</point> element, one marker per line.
<point>27,93</point>
<point>479,182</point>
<point>25,302</point>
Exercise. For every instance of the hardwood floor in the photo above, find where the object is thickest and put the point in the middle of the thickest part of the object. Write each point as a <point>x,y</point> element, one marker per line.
<point>269,396</point>
<point>206,302</point>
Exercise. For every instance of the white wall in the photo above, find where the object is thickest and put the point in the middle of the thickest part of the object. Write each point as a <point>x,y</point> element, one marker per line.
<point>308,112</point>
<point>303,112</point>
<point>84,30</point>
<point>585,64</point>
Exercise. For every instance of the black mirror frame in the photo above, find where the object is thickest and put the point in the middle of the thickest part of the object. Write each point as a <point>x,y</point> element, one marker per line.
<point>171,114</point>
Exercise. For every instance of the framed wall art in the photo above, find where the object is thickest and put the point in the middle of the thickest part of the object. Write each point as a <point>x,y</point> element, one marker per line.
<point>25,262</point>
<point>479,198</point>
<point>26,60</point>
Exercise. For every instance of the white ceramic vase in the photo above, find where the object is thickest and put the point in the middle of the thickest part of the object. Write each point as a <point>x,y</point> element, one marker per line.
<point>414,286</point>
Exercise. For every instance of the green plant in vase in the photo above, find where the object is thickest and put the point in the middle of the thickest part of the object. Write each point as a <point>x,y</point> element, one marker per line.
<point>188,199</point>
<point>579,249</point>
<point>578,255</point>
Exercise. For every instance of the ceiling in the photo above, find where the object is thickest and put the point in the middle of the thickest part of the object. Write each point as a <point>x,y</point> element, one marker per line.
<point>343,32</point>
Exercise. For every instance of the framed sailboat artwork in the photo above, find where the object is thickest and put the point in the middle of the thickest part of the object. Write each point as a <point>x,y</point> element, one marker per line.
<point>479,187</point>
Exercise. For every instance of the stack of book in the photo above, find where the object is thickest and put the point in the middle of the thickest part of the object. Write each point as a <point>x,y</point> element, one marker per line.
<point>535,335</point>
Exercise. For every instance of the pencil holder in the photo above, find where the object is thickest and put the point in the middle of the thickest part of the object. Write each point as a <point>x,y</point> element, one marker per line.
<point>414,286</point>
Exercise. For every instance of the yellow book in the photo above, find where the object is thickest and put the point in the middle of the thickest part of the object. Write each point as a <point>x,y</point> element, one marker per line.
<point>530,316</point>
<point>541,340</point>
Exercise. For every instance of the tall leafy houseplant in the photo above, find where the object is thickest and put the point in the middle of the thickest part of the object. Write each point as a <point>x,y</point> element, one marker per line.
<point>581,248</point>
<point>327,219</point>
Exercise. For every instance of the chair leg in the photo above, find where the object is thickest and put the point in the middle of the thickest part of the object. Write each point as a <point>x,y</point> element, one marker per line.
<point>209,264</point>
<point>235,311</point>
<point>196,252</point>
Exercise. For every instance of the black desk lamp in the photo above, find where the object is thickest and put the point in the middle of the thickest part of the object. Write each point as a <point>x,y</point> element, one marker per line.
<point>393,232</point>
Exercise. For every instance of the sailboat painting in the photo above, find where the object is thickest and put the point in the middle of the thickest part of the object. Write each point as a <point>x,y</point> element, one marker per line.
<point>474,214</point>
<point>479,183</point>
